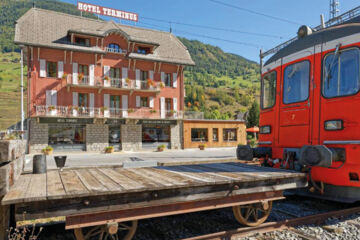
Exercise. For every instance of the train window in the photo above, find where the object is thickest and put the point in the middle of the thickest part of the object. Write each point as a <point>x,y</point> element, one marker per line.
<point>268,90</point>
<point>296,82</point>
<point>341,73</point>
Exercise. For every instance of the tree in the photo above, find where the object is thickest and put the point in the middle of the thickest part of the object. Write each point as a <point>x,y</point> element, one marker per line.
<point>254,114</point>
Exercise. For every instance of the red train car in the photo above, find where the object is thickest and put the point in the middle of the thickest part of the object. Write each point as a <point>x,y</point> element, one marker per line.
<point>310,108</point>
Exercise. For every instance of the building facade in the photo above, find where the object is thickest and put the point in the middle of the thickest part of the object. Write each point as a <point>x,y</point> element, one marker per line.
<point>214,133</point>
<point>93,84</point>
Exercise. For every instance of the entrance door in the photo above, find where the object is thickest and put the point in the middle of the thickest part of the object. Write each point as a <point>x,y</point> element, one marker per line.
<point>295,104</point>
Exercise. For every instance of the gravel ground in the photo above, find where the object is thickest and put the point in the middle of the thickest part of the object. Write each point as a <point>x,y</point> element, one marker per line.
<point>200,223</point>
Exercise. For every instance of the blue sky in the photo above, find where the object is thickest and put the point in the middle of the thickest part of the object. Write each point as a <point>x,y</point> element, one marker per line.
<point>210,13</point>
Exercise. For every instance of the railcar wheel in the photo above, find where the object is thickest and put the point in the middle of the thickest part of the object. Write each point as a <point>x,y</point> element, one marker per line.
<point>253,214</point>
<point>112,231</point>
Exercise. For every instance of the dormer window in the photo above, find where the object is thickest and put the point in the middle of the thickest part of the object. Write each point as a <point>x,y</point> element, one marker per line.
<point>143,50</point>
<point>114,48</point>
<point>82,41</point>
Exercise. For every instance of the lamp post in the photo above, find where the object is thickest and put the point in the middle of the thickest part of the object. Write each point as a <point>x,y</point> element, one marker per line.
<point>22,88</point>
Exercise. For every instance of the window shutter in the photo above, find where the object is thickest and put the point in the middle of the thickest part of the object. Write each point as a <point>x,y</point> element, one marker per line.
<point>137,101</point>
<point>75,73</point>
<point>60,69</point>
<point>54,97</point>
<point>42,68</point>
<point>91,74</point>
<point>175,80</point>
<point>91,104</point>
<point>151,102</point>
<point>48,97</point>
<point>75,99</point>
<point>124,75</point>
<point>151,75</point>
<point>163,77</point>
<point>162,107</point>
<point>106,70</point>
<point>107,105</point>
<point>137,81</point>
<point>175,104</point>
<point>124,102</point>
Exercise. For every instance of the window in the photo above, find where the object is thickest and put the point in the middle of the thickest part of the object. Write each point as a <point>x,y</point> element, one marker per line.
<point>268,95</point>
<point>199,134</point>
<point>143,75</point>
<point>83,100</point>
<point>113,47</point>
<point>114,102</point>
<point>168,80</point>
<point>215,134</point>
<point>66,134</point>
<point>168,103</point>
<point>84,69</point>
<point>144,102</point>
<point>82,41</point>
<point>155,133</point>
<point>114,73</point>
<point>230,134</point>
<point>341,75</point>
<point>296,82</point>
<point>51,69</point>
<point>143,50</point>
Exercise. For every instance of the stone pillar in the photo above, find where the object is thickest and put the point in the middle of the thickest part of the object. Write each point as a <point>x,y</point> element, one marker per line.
<point>176,136</point>
<point>39,136</point>
<point>97,137</point>
<point>131,136</point>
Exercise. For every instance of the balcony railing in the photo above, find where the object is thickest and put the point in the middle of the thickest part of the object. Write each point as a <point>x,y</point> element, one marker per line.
<point>115,50</point>
<point>107,82</point>
<point>137,113</point>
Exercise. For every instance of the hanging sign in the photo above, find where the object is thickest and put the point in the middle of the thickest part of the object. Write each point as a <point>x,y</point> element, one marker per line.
<point>105,11</point>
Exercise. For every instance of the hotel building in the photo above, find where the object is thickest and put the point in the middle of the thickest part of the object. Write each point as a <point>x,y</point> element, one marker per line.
<point>93,83</point>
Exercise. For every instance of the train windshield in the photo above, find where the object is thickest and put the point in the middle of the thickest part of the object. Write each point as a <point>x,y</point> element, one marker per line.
<point>296,82</point>
<point>341,73</point>
<point>268,95</point>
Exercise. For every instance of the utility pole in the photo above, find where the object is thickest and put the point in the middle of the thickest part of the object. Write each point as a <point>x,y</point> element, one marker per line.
<point>334,8</point>
<point>22,87</point>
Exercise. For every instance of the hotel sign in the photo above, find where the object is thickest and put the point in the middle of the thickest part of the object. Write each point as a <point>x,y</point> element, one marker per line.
<point>110,12</point>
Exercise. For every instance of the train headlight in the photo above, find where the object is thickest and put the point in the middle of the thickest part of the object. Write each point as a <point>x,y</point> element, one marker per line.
<point>333,125</point>
<point>265,129</point>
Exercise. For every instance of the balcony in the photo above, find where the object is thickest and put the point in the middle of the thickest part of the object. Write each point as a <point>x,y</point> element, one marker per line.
<point>113,83</point>
<point>87,112</point>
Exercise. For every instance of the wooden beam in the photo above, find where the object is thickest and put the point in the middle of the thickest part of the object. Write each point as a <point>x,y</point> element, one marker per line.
<point>38,53</point>
<point>65,57</point>
<point>31,53</point>
<point>129,64</point>
<point>95,58</point>
<point>100,218</point>
<point>177,70</point>
<point>133,47</point>
<point>134,67</point>
<point>71,57</point>
<point>154,67</point>
<point>159,66</point>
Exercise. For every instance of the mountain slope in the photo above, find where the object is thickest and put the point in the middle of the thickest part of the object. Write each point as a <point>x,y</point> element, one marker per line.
<point>219,85</point>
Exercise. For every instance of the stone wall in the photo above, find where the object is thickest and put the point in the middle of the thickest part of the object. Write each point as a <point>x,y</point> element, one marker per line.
<point>39,136</point>
<point>175,136</point>
<point>131,136</point>
<point>97,137</point>
<point>9,173</point>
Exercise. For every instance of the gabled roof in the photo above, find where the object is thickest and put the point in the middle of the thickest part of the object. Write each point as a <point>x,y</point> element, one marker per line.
<point>39,27</point>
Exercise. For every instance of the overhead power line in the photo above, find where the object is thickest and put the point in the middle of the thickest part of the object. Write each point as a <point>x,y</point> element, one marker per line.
<point>254,12</point>
<point>213,28</point>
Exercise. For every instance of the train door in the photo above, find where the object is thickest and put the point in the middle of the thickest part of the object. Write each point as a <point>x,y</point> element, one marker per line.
<point>296,102</point>
<point>339,119</point>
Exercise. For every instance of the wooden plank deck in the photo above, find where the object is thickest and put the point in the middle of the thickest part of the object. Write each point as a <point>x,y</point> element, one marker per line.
<point>88,182</point>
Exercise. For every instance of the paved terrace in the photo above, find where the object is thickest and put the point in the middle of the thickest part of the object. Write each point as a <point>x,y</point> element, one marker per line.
<point>134,159</point>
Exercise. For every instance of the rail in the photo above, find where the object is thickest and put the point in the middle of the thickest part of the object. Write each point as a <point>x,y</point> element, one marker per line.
<point>104,112</point>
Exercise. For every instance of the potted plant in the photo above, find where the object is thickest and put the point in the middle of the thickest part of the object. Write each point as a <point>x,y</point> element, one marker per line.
<point>51,107</point>
<point>152,111</point>
<point>162,85</point>
<point>202,146</point>
<point>149,83</point>
<point>60,161</point>
<point>80,77</point>
<point>48,150</point>
<point>127,80</point>
<point>172,111</point>
<point>130,110</point>
<point>64,76</point>
<point>161,147</point>
<point>109,149</point>
<point>103,109</point>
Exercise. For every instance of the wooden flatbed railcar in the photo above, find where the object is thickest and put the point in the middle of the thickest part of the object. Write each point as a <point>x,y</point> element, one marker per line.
<point>99,202</point>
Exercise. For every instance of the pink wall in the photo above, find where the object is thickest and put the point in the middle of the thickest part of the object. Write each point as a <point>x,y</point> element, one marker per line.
<point>38,85</point>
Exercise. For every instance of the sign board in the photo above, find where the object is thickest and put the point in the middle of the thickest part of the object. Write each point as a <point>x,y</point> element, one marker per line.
<point>105,11</point>
<point>67,120</point>
<point>160,122</point>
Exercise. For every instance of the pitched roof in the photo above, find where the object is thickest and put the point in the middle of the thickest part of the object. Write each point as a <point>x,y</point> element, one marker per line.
<point>39,27</point>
